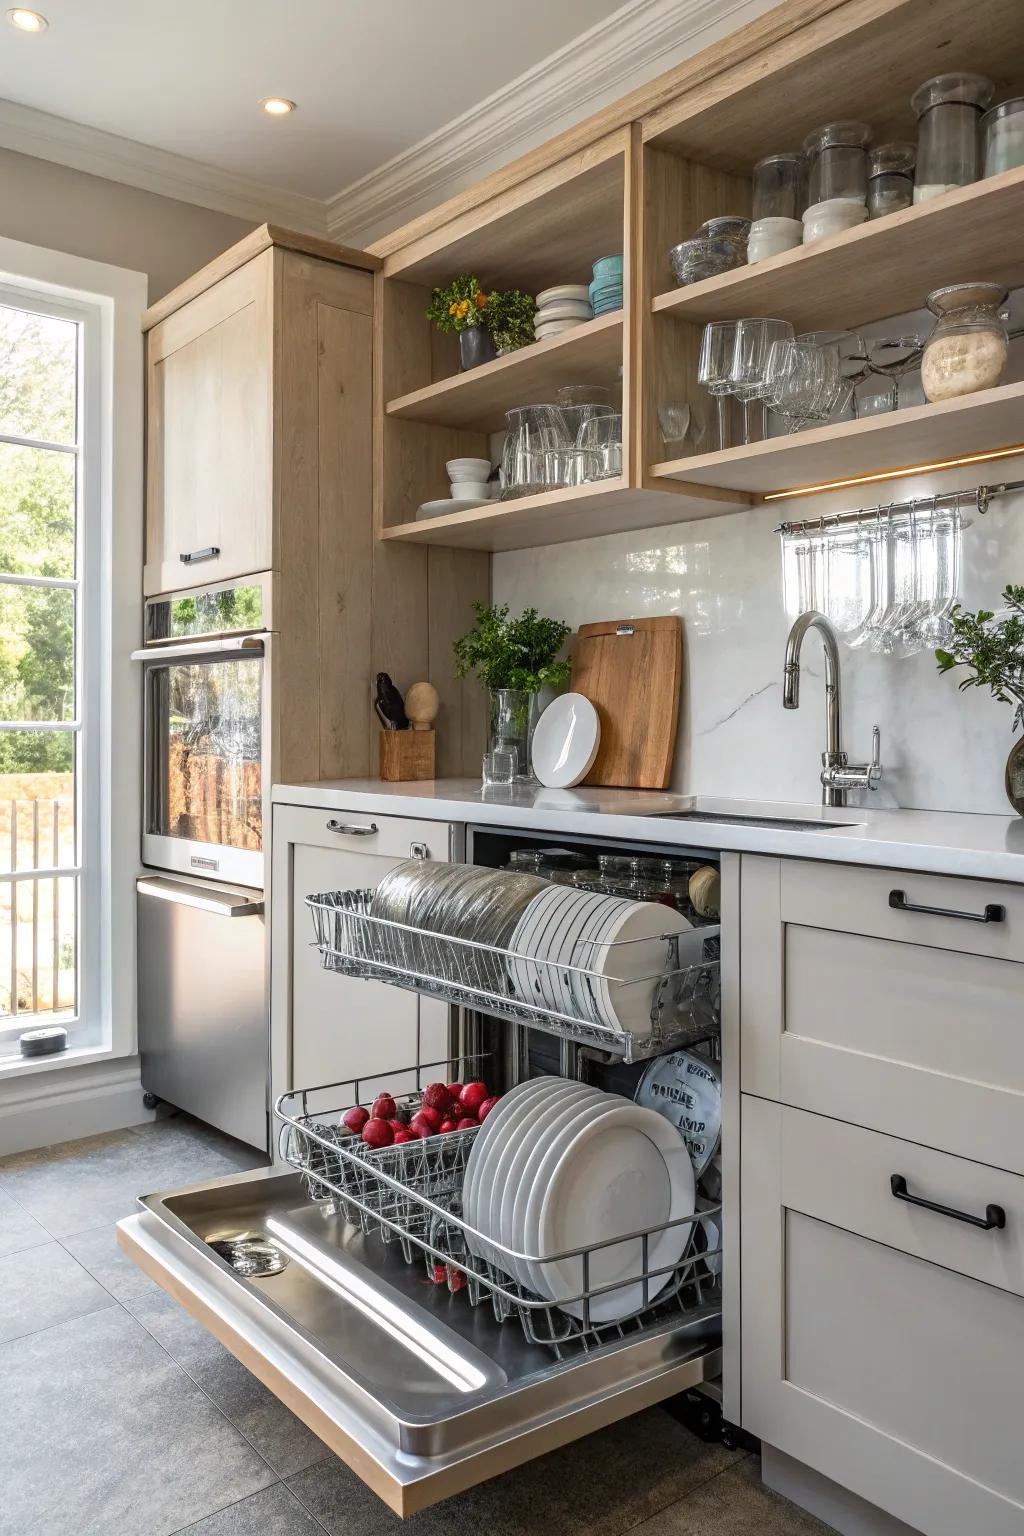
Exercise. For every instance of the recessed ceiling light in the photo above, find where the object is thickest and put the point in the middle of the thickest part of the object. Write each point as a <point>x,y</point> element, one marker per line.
<point>277,106</point>
<point>27,21</point>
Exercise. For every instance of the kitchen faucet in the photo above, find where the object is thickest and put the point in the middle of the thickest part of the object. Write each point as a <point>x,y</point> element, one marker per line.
<point>838,775</point>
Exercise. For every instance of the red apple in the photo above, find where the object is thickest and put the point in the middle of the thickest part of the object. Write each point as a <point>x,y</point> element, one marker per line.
<point>472,1096</point>
<point>487,1106</point>
<point>383,1107</point>
<point>378,1133</point>
<point>448,1125</point>
<point>455,1089</point>
<point>402,1134</point>
<point>422,1127</point>
<point>355,1118</point>
<point>436,1096</point>
<point>466,1124</point>
<point>432,1116</point>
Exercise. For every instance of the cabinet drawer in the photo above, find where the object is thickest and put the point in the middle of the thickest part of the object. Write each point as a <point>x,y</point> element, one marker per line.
<point>396,837</point>
<point>883,1344</point>
<point>858,901</point>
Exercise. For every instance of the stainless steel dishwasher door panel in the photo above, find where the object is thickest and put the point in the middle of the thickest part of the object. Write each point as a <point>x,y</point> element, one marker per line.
<point>204,1032</point>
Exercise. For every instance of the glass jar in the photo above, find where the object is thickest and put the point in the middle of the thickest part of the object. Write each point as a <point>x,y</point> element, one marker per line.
<point>838,162</point>
<point>948,109</point>
<point>890,179</point>
<point>968,348</point>
<point>1002,133</point>
<point>780,186</point>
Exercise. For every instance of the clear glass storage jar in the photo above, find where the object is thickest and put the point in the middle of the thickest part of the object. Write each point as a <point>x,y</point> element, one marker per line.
<point>949,109</point>
<point>1002,132</point>
<point>968,348</point>
<point>780,186</point>
<point>838,161</point>
<point>890,178</point>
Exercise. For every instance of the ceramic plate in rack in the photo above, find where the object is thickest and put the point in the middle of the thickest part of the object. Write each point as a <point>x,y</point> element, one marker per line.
<point>566,741</point>
<point>488,1136</point>
<point>559,1112</point>
<point>543,1160</point>
<point>630,957</point>
<point>687,1090</point>
<point>517,1131</point>
<point>625,1171</point>
<point>448,504</point>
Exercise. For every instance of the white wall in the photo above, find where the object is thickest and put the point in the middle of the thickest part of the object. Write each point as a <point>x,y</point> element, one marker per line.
<point>942,750</point>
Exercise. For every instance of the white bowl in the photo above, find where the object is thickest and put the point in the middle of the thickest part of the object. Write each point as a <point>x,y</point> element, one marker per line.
<point>564,309</point>
<point>470,490</point>
<point>555,328</point>
<point>468,469</point>
<point>578,291</point>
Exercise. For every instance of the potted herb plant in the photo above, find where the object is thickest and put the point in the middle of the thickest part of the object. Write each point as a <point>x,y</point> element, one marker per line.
<point>510,319</point>
<point>462,308</point>
<point>992,648</point>
<point>514,659</point>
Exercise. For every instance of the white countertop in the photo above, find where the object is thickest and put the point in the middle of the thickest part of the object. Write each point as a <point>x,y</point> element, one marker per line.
<point>986,847</point>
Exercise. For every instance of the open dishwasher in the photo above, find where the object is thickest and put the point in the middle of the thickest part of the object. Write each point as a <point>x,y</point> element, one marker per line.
<point>348,1278</point>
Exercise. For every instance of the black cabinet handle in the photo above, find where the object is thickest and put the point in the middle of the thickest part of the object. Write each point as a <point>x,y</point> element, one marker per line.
<point>993,913</point>
<point>210,553</point>
<point>994,1217</point>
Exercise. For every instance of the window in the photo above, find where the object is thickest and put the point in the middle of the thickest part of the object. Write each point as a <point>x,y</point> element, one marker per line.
<point>49,717</point>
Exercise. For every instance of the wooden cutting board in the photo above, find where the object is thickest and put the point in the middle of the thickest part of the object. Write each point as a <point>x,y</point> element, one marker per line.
<point>631,671</point>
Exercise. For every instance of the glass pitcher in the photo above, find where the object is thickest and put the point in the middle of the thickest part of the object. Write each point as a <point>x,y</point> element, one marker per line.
<point>535,457</point>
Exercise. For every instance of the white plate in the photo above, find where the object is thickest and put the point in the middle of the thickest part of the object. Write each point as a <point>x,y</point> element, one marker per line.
<point>530,940</point>
<point>548,328</point>
<point>449,504</point>
<point>515,1135</point>
<point>687,1090</point>
<point>578,291</point>
<point>539,1172</point>
<point>631,969</point>
<point>564,309</point>
<point>565,741</point>
<point>517,1172</point>
<point>489,1136</point>
<point>626,1170</point>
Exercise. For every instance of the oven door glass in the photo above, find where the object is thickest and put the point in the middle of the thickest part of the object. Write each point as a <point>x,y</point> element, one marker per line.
<point>205,778</point>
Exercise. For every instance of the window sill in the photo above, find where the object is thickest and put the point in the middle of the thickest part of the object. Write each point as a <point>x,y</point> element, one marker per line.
<point>17,1065</point>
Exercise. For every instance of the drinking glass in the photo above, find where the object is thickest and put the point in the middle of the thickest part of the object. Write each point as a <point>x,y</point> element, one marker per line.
<point>748,373</point>
<point>537,439</point>
<point>601,438</point>
<point>680,424</point>
<point>894,357</point>
<point>714,370</point>
<point>852,362</point>
<point>802,382</point>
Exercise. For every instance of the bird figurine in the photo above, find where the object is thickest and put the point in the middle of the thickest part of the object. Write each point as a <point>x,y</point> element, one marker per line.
<point>388,705</point>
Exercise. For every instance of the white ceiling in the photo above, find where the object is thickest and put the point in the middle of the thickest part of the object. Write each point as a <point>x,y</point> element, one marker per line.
<point>371,77</point>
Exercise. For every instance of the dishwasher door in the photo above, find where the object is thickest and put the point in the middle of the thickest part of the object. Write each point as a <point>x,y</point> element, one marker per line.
<point>204,1030</point>
<point>421,1394</point>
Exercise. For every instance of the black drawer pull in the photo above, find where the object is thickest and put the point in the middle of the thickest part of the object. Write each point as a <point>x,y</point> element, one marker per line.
<point>993,913</point>
<point>210,553</point>
<point>994,1215</point>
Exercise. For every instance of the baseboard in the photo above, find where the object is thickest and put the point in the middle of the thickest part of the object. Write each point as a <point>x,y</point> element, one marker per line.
<point>62,1106</point>
<point>845,1512</point>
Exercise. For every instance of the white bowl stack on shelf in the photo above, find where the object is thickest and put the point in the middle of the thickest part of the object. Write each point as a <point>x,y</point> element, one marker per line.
<point>561,309</point>
<point>558,1166</point>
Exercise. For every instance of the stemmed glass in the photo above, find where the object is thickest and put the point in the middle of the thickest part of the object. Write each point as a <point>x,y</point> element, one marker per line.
<point>714,371</point>
<point>852,362</point>
<point>748,373</point>
<point>802,382</point>
<point>894,357</point>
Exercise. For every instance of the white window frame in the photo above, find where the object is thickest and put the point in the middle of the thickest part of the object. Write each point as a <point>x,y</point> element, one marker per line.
<point>109,303</point>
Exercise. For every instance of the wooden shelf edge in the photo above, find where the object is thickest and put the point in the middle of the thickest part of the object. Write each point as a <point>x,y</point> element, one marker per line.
<point>951,206</point>
<point>406,406</point>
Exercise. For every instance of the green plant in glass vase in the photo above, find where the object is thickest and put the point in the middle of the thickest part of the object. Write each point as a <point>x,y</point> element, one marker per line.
<point>991,647</point>
<point>514,659</point>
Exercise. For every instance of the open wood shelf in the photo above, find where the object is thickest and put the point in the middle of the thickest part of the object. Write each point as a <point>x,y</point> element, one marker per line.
<point>884,267</point>
<point>588,354</point>
<point>580,512</point>
<point>900,441</point>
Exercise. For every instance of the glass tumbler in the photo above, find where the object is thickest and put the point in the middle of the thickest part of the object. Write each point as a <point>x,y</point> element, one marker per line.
<point>780,186</point>
<point>838,162</point>
<point>537,436</point>
<point>890,179</point>
<point>949,109</point>
<point>600,441</point>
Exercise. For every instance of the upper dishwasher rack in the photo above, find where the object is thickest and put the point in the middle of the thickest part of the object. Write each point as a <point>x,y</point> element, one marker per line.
<point>685,1003</point>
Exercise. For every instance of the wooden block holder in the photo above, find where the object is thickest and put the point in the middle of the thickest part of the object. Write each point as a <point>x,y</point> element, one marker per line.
<point>406,755</point>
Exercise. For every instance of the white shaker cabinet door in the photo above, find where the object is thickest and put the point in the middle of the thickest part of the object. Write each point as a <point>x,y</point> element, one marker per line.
<point>328,1028</point>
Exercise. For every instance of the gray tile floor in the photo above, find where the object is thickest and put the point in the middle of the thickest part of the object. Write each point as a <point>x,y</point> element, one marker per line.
<point>121,1416</point>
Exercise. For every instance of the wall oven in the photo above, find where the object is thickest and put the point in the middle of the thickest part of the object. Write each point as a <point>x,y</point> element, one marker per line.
<point>206,689</point>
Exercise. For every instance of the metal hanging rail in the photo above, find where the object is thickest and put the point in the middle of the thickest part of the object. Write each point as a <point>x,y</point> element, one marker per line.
<point>982,495</point>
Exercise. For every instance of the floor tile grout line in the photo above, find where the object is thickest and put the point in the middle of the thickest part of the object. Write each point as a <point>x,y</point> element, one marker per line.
<point>76,1317</point>
<point>23,1207</point>
<point>302,1503</point>
<point>194,1525</point>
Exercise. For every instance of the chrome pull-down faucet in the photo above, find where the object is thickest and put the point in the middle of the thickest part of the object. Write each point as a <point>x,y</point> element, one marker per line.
<point>838,774</point>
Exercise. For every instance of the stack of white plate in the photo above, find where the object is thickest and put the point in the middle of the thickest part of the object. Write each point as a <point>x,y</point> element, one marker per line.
<point>560,309</point>
<point>595,957</point>
<point>558,1167</point>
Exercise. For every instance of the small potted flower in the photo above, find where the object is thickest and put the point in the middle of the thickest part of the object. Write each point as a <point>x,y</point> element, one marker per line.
<point>510,320</point>
<point>462,308</point>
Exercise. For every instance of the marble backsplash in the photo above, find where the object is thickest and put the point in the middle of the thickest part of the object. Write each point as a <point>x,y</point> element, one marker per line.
<point>941,750</point>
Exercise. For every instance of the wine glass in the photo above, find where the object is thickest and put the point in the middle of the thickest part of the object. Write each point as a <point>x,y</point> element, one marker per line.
<point>894,357</point>
<point>748,372</point>
<point>802,382</point>
<point>714,370</point>
<point>852,361</point>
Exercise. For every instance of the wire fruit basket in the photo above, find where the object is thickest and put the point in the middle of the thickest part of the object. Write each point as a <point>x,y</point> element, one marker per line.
<point>573,1000</point>
<point>410,1194</point>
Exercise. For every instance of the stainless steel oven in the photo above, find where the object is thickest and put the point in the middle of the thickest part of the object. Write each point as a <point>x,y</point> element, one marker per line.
<point>206,684</point>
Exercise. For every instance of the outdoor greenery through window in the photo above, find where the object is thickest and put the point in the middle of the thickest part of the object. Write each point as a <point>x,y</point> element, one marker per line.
<point>40,704</point>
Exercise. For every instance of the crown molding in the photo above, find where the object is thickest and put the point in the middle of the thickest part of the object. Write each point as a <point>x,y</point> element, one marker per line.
<point>588,72</point>
<point>46,137</point>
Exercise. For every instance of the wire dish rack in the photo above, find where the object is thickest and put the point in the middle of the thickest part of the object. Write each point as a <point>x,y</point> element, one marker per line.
<point>576,1001</point>
<point>411,1195</point>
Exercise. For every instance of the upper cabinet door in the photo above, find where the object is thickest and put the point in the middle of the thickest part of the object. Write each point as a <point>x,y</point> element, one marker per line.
<point>209,469</point>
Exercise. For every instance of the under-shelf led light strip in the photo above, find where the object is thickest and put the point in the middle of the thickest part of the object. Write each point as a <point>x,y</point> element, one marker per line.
<point>898,474</point>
